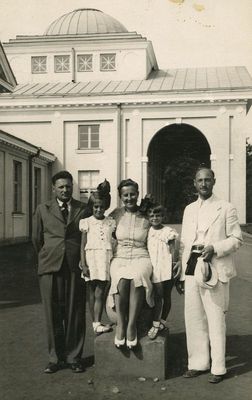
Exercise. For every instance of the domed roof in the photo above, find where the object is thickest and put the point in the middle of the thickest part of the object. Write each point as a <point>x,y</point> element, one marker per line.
<point>85,21</point>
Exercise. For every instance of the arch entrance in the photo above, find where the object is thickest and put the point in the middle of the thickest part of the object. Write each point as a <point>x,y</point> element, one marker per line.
<point>174,153</point>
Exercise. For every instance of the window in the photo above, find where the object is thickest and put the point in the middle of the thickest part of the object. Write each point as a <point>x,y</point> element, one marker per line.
<point>84,62</point>
<point>107,62</point>
<point>38,65</point>
<point>88,181</point>
<point>89,136</point>
<point>17,186</point>
<point>37,187</point>
<point>62,64</point>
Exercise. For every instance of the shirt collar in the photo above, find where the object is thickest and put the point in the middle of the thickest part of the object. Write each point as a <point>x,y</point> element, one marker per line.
<point>60,203</point>
<point>205,202</point>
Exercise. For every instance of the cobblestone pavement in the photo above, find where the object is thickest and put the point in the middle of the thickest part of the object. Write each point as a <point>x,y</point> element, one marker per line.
<point>23,347</point>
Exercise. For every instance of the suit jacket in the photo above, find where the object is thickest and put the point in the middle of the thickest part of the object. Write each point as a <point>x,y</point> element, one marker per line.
<point>53,239</point>
<point>222,230</point>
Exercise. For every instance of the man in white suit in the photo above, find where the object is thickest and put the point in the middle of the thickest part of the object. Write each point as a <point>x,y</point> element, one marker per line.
<point>210,229</point>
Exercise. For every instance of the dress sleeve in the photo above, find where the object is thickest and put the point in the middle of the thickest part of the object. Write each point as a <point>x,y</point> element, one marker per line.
<point>116,214</point>
<point>170,234</point>
<point>83,225</point>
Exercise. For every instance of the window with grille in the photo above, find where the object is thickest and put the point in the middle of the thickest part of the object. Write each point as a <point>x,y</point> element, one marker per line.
<point>17,186</point>
<point>89,137</point>
<point>107,62</point>
<point>39,65</point>
<point>37,187</point>
<point>88,182</point>
<point>84,62</point>
<point>61,64</point>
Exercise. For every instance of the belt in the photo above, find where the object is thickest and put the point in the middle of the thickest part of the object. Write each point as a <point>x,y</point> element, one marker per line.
<point>197,248</point>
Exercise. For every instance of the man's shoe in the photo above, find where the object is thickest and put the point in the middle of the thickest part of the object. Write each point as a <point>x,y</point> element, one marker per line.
<point>192,373</point>
<point>51,368</point>
<point>215,378</point>
<point>77,367</point>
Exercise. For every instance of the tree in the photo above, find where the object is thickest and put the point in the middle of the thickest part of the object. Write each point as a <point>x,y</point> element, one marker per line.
<point>179,188</point>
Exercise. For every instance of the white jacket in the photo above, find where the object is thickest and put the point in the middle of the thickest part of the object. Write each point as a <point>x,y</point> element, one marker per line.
<point>222,231</point>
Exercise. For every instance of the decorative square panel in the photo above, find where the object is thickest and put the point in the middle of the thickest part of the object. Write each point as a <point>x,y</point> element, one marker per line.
<point>107,62</point>
<point>85,62</point>
<point>38,65</point>
<point>62,64</point>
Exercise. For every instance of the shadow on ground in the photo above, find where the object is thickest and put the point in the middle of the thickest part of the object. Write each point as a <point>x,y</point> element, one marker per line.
<point>18,273</point>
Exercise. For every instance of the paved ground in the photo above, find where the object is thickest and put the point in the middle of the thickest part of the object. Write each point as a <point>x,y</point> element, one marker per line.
<point>23,349</point>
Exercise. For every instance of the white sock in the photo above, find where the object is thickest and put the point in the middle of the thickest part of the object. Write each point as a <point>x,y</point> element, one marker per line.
<point>96,324</point>
<point>156,324</point>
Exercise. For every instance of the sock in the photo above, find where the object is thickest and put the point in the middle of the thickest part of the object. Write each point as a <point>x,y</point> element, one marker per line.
<point>96,324</point>
<point>156,324</point>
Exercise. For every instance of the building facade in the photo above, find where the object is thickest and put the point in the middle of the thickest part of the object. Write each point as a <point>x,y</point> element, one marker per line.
<point>91,93</point>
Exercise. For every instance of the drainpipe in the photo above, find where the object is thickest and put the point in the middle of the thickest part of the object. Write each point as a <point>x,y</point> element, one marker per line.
<point>73,66</point>
<point>30,186</point>
<point>119,143</point>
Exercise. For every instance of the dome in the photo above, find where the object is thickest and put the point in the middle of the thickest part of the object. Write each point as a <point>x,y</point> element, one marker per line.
<point>84,21</point>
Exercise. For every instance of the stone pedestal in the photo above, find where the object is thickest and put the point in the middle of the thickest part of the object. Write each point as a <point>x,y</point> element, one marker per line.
<point>148,359</point>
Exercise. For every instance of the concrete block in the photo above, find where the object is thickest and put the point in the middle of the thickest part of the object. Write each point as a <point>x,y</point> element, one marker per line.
<point>148,360</point>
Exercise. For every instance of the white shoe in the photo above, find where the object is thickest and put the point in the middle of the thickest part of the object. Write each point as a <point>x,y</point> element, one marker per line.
<point>132,343</point>
<point>119,342</point>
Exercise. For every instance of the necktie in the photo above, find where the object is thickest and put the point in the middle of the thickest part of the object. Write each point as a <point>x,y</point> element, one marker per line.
<point>64,210</point>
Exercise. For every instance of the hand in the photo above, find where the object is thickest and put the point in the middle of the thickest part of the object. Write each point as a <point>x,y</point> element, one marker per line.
<point>207,253</point>
<point>86,271</point>
<point>180,286</point>
<point>176,270</point>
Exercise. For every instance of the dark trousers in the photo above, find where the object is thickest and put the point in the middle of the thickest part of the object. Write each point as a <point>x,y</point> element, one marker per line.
<point>64,298</point>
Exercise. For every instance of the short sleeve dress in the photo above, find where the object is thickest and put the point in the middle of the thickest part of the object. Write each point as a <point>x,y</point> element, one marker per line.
<point>159,251</point>
<point>131,258</point>
<point>98,249</point>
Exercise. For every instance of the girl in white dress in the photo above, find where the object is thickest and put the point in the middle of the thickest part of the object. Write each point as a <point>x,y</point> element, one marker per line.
<point>161,247</point>
<point>96,254</point>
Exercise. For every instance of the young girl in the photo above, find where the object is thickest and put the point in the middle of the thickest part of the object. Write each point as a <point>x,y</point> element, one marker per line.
<point>161,247</point>
<point>96,253</point>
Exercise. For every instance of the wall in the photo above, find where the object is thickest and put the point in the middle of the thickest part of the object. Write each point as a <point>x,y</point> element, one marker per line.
<point>131,62</point>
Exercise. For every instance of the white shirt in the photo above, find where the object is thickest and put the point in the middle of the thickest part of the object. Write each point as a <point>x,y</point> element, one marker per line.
<point>61,204</point>
<point>204,213</point>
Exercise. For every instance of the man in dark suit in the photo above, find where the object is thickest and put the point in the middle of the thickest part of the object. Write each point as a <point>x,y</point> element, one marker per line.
<point>56,239</point>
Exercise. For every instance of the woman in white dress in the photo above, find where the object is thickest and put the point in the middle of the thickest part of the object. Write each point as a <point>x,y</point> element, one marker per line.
<point>131,267</point>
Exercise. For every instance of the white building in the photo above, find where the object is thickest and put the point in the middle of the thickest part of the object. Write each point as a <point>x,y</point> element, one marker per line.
<point>91,93</point>
<point>25,174</point>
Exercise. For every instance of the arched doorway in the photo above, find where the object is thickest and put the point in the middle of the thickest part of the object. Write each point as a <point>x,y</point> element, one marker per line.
<point>174,153</point>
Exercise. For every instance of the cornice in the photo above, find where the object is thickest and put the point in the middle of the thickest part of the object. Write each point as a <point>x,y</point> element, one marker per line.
<point>123,103</point>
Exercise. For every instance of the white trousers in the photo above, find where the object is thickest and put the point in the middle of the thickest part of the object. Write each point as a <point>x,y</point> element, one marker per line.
<point>205,325</point>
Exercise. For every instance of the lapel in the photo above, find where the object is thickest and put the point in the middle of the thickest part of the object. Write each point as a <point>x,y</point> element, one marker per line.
<point>214,212</point>
<point>74,211</point>
<point>55,210</point>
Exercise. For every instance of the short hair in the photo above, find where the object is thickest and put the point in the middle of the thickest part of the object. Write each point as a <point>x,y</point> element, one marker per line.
<point>156,208</point>
<point>125,183</point>
<point>201,167</point>
<point>62,175</point>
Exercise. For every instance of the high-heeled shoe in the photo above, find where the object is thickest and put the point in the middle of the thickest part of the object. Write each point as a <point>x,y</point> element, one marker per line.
<point>119,342</point>
<point>131,344</point>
